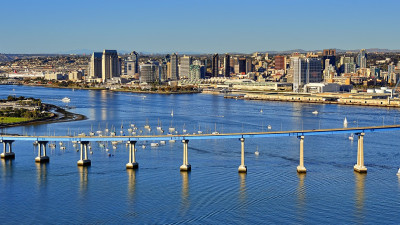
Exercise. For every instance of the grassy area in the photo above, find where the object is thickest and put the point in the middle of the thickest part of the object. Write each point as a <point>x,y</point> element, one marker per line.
<point>6,120</point>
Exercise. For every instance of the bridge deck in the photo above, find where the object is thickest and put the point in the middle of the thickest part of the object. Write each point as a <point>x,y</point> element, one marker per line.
<point>205,136</point>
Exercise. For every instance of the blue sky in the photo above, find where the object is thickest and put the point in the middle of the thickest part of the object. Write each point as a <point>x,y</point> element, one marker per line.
<point>208,26</point>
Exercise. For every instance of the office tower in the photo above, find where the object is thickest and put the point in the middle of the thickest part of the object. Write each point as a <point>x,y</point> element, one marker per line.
<point>95,68</point>
<point>280,63</point>
<point>305,70</point>
<point>215,65</point>
<point>197,72</point>
<point>314,70</point>
<point>110,65</point>
<point>186,61</point>
<point>134,57</point>
<point>227,65</point>
<point>375,72</point>
<point>149,72</point>
<point>164,72</point>
<point>362,59</point>
<point>174,67</point>
<point>329,54</point>
<point>349,67</point>
<point>241,66</point>
<point>249,65</point>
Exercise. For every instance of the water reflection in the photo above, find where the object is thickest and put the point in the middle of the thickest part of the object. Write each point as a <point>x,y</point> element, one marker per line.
<point>83,175</point>
<point>6,166</point>
<point>359,195</point>
<point>185,201</point>
<point>301,198</point>
<point>242,188</point>
<point>131,182</point>
<point>41,171</point>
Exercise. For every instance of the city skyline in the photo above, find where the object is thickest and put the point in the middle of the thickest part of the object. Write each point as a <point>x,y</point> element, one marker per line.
<point>196,26</point>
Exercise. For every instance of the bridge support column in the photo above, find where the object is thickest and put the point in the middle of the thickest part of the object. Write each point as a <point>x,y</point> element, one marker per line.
<point>42,156</point>
<point>359,167</point>
<point>84,161</point>
<point>242,168</point>
<point>132,164</point>
<point>300,167</point>
<point>7,154</point>
<point>185,166</point>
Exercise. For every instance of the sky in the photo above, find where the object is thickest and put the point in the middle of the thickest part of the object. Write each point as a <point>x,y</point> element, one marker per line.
<point>203,26</point>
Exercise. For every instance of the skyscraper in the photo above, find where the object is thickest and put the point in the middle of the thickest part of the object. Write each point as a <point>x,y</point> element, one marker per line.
<point>305,70</point>
<point>227,65</point>
<point>186,61</point>
<point>174,67</point>
<point>95,68</point>
<point>134,56</point>
<point>215,65</point>
<point>149,72</point>
<point>110,65</point>
<point>362,59</point>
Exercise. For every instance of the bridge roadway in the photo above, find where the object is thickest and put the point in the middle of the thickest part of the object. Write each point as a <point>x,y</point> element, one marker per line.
<point>178,137</point>
<point>84,141</point>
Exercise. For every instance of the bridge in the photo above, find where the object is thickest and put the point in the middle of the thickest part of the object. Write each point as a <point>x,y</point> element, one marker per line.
<point>84,141</point>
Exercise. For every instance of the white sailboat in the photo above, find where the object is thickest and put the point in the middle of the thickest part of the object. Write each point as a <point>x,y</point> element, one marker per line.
<point>398,172</point>
<point>351,138</point>
<point>172,113</point>
<point>257,152</point>
<point>345,122</point>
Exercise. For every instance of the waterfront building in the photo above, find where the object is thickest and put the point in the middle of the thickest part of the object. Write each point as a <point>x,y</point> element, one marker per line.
<point>215,65</point>
<point>227,65</point>
<point>305,70</point>
<point>110,65</point>
<point>362,59</point>
<point>95,66</point>
<point>174,67</point>
<point>149,72</point>
<point>184,68</point>
<point>75,75</point>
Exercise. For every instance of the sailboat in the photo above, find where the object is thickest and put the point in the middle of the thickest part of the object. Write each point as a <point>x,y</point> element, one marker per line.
<point>159,125</point>
<point>199,131</point>
<point>91,133</point>
<point>215,132</point>
<point>257,152</point>
<point>172,113</point>
<point>398,172</point>
<point>184,129</point>
<point>345,122</point>
<point>351,138</point>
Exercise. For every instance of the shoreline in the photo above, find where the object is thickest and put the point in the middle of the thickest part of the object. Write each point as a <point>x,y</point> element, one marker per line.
<point>60,115</point>
<point>313,99</point>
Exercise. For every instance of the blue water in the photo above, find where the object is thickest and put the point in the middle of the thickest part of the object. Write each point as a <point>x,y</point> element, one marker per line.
<point>213,192</point>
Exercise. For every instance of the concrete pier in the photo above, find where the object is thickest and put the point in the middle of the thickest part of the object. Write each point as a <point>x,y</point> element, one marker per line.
<point>242,168</point>
<point>359,167</point>
<point>84,161</point>
<point>42,155</point>
<point>132,164</point>
<point>7,154</point>
<point>300,167</point>
<point>185,166</point>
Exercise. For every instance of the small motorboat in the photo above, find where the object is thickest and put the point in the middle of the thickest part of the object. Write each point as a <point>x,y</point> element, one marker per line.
<point>398,172</point>
<point>154,144</point>
<point>315,112</point>
<point>66,100</point>
<point>269,127</point>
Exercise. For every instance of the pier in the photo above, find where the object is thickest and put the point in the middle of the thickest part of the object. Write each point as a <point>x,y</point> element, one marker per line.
<point>84,141</point>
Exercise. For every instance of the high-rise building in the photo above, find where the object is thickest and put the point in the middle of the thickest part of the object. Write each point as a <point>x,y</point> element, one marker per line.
<point>305,70</point>
<point>280,63</point>
<point>149,72</point>
<point>349,67</point>
<point>391,73</point>
<point>196,72</point>
<point>174,67</point>
<point>227,65</point>
<point>362,59</point>
<point>134,56</point>
<point>164,71</point>
<point>329,54</point>
<point>249,65</point>
<point>241,66</point>
<point>110,65</point>
<point>95,68</point>
<point>184,68</point>
<point>215,65</point>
